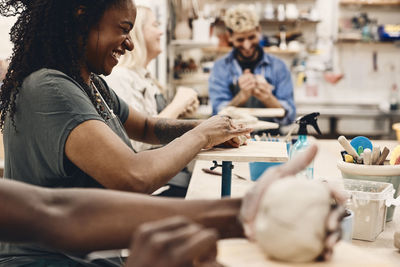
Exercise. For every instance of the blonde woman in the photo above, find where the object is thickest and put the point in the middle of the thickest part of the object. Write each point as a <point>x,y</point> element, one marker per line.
<point>133,82</point>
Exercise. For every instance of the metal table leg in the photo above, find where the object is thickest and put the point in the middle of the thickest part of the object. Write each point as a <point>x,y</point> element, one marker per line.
<point>226,178</point>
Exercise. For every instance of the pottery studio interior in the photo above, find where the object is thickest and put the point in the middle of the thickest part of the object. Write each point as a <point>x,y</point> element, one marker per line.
<point>269,132</point>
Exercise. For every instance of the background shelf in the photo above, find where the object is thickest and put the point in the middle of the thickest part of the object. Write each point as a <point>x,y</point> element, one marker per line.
<point>371,2</point>
<point>222,50</point>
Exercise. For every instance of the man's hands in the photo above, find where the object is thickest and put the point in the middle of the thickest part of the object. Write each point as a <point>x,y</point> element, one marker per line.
<point>253,198</point>
<point>247,83</point>
<point>254,85</point>
<point>173,242</point>
<point>263,90</point>
<point>221,130</point>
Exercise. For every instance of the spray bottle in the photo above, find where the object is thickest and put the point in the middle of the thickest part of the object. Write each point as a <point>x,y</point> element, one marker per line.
<point>302,142</point>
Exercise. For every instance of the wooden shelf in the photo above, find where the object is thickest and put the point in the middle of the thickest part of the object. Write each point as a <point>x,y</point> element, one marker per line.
<point>358,41</point>
<point>290,21</point>
<point>223,50</point>
<point>371,2</point>
<point>189,44</point>
<point>191,80</point>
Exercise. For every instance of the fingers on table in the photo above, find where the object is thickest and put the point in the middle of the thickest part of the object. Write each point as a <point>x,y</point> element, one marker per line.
<point>180,239</point>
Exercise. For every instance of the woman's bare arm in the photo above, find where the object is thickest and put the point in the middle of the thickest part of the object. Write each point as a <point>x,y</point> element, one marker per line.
<point>99,152</point>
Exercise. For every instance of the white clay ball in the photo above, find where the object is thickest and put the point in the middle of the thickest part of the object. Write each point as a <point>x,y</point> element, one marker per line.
<point>290,222</point>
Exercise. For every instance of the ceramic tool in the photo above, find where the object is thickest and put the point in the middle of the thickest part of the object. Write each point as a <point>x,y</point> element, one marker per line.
<point>343,153</point>
<point>383,156</point>
<point>367,156</point>
<point>264,137</point>
<point>346,145</point>
<point>361,141</point>
<point>376,151</point>
<point>360,150</point>
<point>348,158</point>
<point>220,173</point>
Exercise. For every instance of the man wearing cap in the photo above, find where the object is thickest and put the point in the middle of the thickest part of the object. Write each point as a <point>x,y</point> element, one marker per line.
<point>248,77</point>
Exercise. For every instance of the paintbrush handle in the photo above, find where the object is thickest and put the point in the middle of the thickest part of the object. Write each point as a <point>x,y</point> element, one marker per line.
<point>376,151</point>
<point>346,145</point>
<point>220,174</point>
<point>383,156</point>
<point>367,156</point>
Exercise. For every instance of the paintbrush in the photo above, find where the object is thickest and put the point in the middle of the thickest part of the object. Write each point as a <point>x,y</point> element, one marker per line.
<point>220,174</point>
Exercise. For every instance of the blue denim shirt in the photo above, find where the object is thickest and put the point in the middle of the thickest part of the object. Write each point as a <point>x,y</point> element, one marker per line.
<point>226,72</point>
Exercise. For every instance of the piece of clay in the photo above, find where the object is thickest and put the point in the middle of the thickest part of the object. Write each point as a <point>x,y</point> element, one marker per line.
<point>242,139</point>
<point>290,222</point>
<point>238,117</point>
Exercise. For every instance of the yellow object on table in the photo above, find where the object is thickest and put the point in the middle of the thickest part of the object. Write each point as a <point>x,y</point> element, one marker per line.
<point>394,158</point>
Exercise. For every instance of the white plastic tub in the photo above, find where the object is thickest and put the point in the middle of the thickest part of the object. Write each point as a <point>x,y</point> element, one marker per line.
<point>368,204</point>
<point>376,173</point>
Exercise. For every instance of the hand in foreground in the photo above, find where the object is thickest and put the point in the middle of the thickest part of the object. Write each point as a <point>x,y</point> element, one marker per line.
<point>221,130</point>
<point>253,198</point>
<point>173,242</point>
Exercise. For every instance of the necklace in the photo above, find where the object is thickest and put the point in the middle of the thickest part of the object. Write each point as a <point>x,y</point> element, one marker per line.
<point>99,103</point>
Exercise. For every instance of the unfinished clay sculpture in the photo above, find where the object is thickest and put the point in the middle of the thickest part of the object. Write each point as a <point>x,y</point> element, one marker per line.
<point>290,223</point>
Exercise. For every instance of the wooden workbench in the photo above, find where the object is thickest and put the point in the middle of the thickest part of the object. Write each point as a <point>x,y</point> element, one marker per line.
<point>237,252</point>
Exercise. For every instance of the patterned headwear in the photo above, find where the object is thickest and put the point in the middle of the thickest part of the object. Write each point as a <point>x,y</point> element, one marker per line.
<point>241,18</point>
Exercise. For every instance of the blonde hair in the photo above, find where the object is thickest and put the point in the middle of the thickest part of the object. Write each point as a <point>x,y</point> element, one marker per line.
<point>138,56</point>
<point>241,18</point>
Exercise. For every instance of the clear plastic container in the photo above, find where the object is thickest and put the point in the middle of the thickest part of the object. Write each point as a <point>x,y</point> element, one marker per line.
<point>368,204</point>
<point>376,173</point>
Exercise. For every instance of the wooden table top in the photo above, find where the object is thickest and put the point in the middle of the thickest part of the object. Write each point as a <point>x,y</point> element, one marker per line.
<point>254,151</point>
<point>378,253</point>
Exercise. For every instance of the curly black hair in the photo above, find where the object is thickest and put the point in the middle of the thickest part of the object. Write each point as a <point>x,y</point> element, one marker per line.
<point>48,34</point>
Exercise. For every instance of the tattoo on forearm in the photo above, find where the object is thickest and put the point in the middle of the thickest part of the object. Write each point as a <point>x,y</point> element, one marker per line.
<point>167,130</point>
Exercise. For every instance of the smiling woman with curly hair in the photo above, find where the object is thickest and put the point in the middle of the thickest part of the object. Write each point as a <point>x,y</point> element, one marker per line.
<point>64,127</point>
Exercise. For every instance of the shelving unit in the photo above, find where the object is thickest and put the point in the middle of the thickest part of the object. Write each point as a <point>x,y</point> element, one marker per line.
<point>190,44</point>
<point>210,50</point>
<point>223,50</point>
<point>371,2</point>
<point>359,41</point>
<point>289,21</point>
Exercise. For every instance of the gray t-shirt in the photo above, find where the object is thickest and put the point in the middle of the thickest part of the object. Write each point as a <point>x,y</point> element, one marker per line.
<point>50,105</point>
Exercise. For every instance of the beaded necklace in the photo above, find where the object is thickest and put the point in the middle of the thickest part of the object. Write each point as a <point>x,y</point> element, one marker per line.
<point>99,103</point>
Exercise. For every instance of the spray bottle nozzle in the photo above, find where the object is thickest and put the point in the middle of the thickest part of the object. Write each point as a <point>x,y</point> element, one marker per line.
<point>311,119</point>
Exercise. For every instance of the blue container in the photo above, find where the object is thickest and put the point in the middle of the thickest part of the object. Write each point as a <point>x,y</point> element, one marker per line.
<point>258,168</point>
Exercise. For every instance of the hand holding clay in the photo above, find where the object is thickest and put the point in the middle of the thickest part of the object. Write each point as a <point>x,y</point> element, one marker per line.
<point>221,130</point>
<point>190,108</point>
<point>184,98</point>
<point>247,82</point>
<point>284,219</point>
<point>263,90</point>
